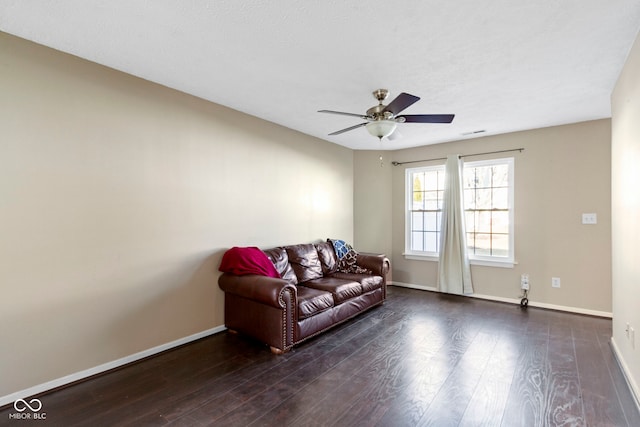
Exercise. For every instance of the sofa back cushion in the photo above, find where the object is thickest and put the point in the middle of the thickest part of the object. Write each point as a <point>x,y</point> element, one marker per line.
<point>305,262</point>
<point>327,256</point>
<point>280,260</point>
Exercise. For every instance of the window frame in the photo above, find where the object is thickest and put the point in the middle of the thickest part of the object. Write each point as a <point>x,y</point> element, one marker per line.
<point>408,210</point>
<point>496,261</point>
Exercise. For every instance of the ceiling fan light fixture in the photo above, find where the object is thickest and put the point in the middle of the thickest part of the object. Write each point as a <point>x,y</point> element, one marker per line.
<point>381,128</point>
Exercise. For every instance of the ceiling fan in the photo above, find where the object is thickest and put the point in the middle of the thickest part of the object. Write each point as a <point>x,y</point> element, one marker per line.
<point>381,120</point>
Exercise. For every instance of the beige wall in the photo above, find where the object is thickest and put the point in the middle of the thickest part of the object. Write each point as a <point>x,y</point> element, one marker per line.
<point>625,200</point>
<point>117,200</point>
<point>563,172</point>
<point>372,201</point>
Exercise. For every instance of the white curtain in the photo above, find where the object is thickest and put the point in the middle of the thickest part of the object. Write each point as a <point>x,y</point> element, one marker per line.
<point>454,272</point>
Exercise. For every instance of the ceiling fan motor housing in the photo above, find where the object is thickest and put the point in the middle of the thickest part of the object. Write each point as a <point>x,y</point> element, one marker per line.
<point>378,113</point>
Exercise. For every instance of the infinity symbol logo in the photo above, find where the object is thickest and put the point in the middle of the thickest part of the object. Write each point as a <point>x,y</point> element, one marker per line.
<point>21,405</point>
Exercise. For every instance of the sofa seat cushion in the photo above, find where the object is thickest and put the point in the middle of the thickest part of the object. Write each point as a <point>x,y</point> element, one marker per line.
<point>369,282</point>
<point>312,301</point>
<point>341,289</point>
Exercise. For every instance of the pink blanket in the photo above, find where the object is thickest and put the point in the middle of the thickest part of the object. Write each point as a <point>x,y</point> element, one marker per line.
<point>250,260</point>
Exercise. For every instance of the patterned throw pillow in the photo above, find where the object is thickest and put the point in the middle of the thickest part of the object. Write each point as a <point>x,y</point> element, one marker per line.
<point>341,247</point>
<point>347,257</point>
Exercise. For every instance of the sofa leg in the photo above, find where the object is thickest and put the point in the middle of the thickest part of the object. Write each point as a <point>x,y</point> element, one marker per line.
<point>275,350</point>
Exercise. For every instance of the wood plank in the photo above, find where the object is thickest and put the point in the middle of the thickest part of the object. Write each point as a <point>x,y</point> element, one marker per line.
<point>449,404</point>
<point>602,407</point>
<point>526,402</point>
<point>563,395</point>
<point>489,399</point>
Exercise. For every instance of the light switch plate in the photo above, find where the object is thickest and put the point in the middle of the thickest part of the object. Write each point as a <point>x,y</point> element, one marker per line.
<point>589,218</point>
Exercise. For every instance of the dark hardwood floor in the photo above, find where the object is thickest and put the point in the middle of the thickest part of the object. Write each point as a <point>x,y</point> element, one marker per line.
<point>420,359</point>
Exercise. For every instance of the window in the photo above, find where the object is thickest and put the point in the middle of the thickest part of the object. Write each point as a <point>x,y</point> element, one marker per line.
<point>488,205</point>
<point>426,189</point>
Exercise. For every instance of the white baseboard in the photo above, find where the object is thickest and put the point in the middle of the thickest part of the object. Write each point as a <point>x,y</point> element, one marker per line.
<point>59,382</point>
<point>633,386</point>
<point>577,310</point>
<point>412,286</point>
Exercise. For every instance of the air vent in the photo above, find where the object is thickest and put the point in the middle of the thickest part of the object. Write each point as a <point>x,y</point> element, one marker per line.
<point>475,132</point>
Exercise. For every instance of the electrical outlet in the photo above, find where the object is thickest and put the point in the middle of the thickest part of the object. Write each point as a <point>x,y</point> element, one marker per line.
<point>524,282</point>
<point>555,282</point>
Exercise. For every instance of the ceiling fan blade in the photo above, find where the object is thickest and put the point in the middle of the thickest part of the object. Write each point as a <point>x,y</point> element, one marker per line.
<point>343,113</point>
<point>402,101</point>
<point>338,132</point>
<point>427,118</point>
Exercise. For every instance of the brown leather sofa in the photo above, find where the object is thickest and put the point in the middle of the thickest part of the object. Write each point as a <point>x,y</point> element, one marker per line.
<point>311,296</point>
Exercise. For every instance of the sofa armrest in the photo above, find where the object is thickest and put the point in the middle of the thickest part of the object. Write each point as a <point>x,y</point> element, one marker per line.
<point>379,264</point>
<point>262,289</point>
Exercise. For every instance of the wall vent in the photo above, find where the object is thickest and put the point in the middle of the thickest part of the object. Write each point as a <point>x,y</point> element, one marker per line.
<point>473,132</point>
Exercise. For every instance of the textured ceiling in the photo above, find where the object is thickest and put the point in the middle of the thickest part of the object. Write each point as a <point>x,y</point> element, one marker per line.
<point>499,65</point>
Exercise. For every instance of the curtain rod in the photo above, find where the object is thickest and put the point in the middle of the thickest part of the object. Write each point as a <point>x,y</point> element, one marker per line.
<point>465,155</point>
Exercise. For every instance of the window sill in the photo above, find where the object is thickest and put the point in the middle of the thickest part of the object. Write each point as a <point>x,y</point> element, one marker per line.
<point>482,262</point>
